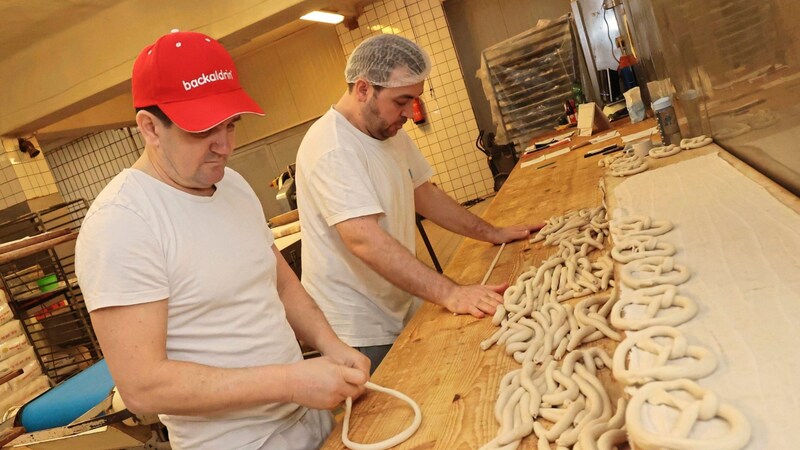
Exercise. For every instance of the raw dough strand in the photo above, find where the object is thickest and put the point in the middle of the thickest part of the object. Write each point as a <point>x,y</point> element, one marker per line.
<point>387,443</point>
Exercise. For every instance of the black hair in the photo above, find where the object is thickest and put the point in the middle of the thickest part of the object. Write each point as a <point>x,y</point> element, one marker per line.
<point>156,111</point>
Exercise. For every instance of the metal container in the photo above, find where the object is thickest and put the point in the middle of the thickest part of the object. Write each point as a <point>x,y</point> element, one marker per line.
<point>667,121</point>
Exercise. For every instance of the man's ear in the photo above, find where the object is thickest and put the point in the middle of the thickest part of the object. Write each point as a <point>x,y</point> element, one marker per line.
<point>147,124</point>
<point>362,89</point>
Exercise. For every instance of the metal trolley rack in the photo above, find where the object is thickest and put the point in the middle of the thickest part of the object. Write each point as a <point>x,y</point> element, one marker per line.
<point>38,276</point>
<point>531,74</point>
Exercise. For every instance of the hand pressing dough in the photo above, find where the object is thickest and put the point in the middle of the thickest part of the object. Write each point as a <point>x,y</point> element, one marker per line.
<point>703,361</point>
<point>653,270</point>
<point>663,307</point>
<point>703,406</point>
<point>387,443</point>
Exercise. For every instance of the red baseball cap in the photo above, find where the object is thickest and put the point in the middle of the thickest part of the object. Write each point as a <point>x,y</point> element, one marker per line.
<point>192,78</point>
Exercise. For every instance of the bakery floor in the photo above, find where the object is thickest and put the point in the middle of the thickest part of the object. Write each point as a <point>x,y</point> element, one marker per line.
<point>445,242</point>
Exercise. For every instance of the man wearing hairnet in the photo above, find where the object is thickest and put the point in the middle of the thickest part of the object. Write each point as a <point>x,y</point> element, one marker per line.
<point>360,178</point>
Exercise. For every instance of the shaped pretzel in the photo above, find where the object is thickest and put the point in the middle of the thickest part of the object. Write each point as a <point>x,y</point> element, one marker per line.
<point>662,307</point>
<point>664,151</point>
<point>694,404</point>
<point>695,142</point>
<point>653,270</point>
<point>638,247</point>
<point>628,165</point>
<point>704,362</point>
<point>638,224</point>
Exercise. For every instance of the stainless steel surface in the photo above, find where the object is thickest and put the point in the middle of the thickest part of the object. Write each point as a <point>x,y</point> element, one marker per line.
<point>287,197</point>
<point>742,58</point>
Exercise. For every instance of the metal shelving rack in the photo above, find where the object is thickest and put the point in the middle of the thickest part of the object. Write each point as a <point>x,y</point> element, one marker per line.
<point>531,75</point>
<point>53,314</point>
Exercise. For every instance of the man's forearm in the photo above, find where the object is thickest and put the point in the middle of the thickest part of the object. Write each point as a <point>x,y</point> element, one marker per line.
<point>386,256</point>
<point>442,210</point>
<point>185,388</point>
<point>134,343</point>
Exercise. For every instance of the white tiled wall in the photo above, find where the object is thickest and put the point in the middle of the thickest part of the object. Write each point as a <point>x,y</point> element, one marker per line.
<point>22,177</point>
<point>10,188</point>
<point>448,138</point>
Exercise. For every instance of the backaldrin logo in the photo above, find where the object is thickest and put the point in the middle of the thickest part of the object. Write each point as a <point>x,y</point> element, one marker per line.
<point>210,78</point>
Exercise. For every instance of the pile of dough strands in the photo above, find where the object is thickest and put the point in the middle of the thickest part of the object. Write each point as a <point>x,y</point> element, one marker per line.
<point>540,332</point>
<point>558,380</point>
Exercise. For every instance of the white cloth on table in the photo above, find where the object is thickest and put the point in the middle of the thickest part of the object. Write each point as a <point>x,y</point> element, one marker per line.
<point>742,247</point>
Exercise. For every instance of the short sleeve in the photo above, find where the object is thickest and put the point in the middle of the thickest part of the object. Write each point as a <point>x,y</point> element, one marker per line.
<point>421,171</point>
<point>118,260</point>
<point>341,187</point>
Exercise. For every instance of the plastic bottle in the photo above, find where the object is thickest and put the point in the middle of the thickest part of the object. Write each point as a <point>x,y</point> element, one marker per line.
<point>667,122</point>
<point>569,111</point>
<point>577,92</point>
<point>690,102</point>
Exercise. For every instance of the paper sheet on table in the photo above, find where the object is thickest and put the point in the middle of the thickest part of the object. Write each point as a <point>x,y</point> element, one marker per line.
<point>604,137</point>
<point>742,247</point>
<point>544,157</point>
<point>550,141</point>
<point>557,138</point>
<point>639,135</point>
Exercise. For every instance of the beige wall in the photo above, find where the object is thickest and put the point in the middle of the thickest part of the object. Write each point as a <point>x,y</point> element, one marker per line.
<point>82,65</point>
<point>295,79</point>
<point>447,139</point>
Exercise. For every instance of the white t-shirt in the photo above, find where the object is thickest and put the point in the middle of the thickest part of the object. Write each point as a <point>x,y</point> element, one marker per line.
<point>343,173</point>
<point>143,241</point>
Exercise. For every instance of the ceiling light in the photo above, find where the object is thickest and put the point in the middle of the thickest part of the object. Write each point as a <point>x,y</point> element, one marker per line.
<point>385,29</point>
<point>321,16</point>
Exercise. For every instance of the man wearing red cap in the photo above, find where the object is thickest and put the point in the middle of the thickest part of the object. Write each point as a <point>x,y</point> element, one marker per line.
<point>194,307</point>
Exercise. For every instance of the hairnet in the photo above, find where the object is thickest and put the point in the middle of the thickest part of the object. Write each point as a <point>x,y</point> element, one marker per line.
<point>388,60</point>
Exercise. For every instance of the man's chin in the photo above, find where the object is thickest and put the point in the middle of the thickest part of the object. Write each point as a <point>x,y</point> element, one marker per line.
<point>393,130</point>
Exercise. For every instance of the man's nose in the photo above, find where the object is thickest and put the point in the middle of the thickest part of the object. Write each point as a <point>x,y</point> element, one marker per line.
<point>221,142</point>
<point>408,110</point>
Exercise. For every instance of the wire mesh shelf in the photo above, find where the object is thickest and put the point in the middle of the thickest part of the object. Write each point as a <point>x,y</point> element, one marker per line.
<point>43,291</point>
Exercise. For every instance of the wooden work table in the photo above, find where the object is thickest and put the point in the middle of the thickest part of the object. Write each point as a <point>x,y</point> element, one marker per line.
<point>437,360</point>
